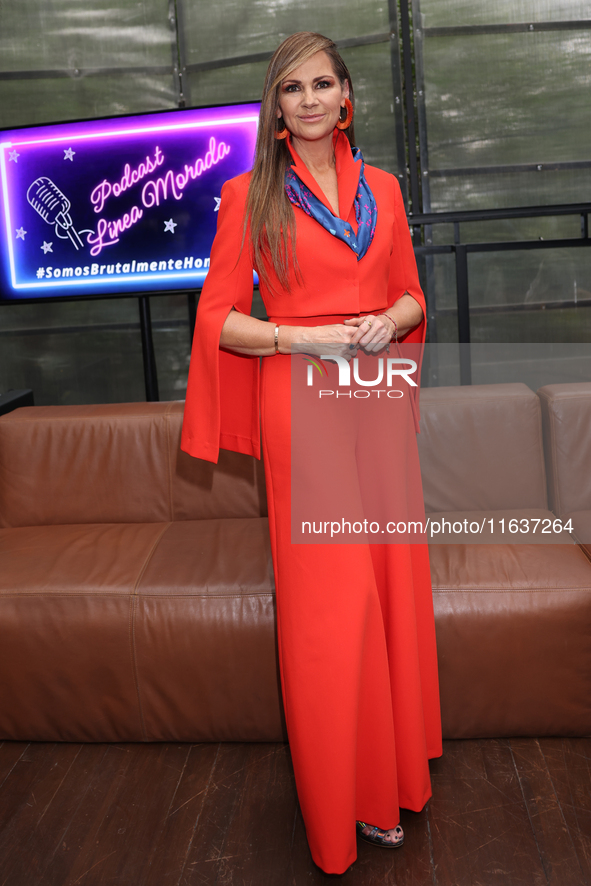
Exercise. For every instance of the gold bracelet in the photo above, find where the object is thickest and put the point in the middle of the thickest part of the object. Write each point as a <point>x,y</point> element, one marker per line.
<point>276,339</point>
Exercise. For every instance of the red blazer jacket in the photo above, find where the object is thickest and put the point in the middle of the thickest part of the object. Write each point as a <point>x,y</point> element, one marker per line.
<point>222,403</point>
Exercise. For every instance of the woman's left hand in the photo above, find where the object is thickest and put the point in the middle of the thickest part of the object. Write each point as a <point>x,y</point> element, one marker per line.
<point>373,333</point>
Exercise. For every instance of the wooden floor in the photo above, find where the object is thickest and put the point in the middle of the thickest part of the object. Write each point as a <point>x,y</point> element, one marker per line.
<point>503,812</point>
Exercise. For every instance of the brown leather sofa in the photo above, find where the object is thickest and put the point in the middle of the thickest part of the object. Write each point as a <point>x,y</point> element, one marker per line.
<point>136,587</point>
<point>513,619</point>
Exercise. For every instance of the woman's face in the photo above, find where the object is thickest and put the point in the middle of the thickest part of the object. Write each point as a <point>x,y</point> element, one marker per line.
<point>311,98</point>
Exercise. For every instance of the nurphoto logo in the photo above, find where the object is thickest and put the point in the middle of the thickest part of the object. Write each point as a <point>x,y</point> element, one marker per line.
<point>387,370</point>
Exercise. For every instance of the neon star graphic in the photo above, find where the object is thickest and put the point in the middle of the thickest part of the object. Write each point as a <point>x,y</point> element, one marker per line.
<point>170,225</point>
<point>20,233</point>
<point>13,155</point>
<point>218,200</point>
<point>47,247</point>
<point>69,154</point>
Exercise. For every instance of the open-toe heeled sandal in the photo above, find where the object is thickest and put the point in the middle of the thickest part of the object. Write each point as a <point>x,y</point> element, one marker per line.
<point>376,836</point>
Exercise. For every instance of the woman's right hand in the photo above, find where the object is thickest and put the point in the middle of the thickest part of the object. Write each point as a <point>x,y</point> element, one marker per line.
<point>251,336</point>
<point>334,339</point>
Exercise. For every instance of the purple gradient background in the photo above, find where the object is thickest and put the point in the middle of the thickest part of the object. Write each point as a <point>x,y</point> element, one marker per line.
<point>116,142</point>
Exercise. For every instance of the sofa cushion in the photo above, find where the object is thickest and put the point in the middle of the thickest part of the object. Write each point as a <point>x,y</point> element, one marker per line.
<point>117,463</point>
<point>205,635</point>
<point>513,629</point>
<point>566,414</point>
<point>481,448</point>
<point>120,632</point>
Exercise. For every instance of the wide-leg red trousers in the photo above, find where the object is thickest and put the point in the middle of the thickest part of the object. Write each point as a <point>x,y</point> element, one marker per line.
<point>358,661</point>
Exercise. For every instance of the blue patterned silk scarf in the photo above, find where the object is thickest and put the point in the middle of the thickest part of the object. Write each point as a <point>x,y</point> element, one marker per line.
<point>366,211</point>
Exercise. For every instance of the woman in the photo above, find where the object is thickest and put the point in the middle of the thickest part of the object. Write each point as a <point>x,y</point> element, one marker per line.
<point>330,243</point>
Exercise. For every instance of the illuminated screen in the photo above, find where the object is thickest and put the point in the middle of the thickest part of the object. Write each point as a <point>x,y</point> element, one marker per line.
<point>117,206</point>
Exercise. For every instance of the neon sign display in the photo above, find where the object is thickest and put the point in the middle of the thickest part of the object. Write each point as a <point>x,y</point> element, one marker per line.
<point>115,206</point>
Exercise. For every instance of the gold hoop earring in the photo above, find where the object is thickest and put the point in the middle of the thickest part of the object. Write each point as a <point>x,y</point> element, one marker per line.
<point>281,133</point>
<point>344,124</point>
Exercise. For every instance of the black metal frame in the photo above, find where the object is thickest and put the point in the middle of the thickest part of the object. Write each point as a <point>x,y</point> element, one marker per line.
<point>461,250</point>
<point>410,110</point>
<point>398,94</point>
<point>515,28</point>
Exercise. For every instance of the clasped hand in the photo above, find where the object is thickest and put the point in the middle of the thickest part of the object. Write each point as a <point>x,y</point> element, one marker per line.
<point>371,334</point>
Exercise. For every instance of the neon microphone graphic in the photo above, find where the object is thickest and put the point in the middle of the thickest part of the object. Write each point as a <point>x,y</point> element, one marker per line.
<point>54,208</point>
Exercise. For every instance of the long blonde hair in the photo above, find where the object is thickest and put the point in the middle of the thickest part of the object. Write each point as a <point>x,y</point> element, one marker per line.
<point>272,222</point>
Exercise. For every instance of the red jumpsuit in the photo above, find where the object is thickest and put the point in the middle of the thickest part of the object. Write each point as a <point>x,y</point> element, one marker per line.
<point>355,622</point>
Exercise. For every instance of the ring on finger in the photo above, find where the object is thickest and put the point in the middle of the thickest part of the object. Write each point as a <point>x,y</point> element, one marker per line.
<point>368,321</point>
